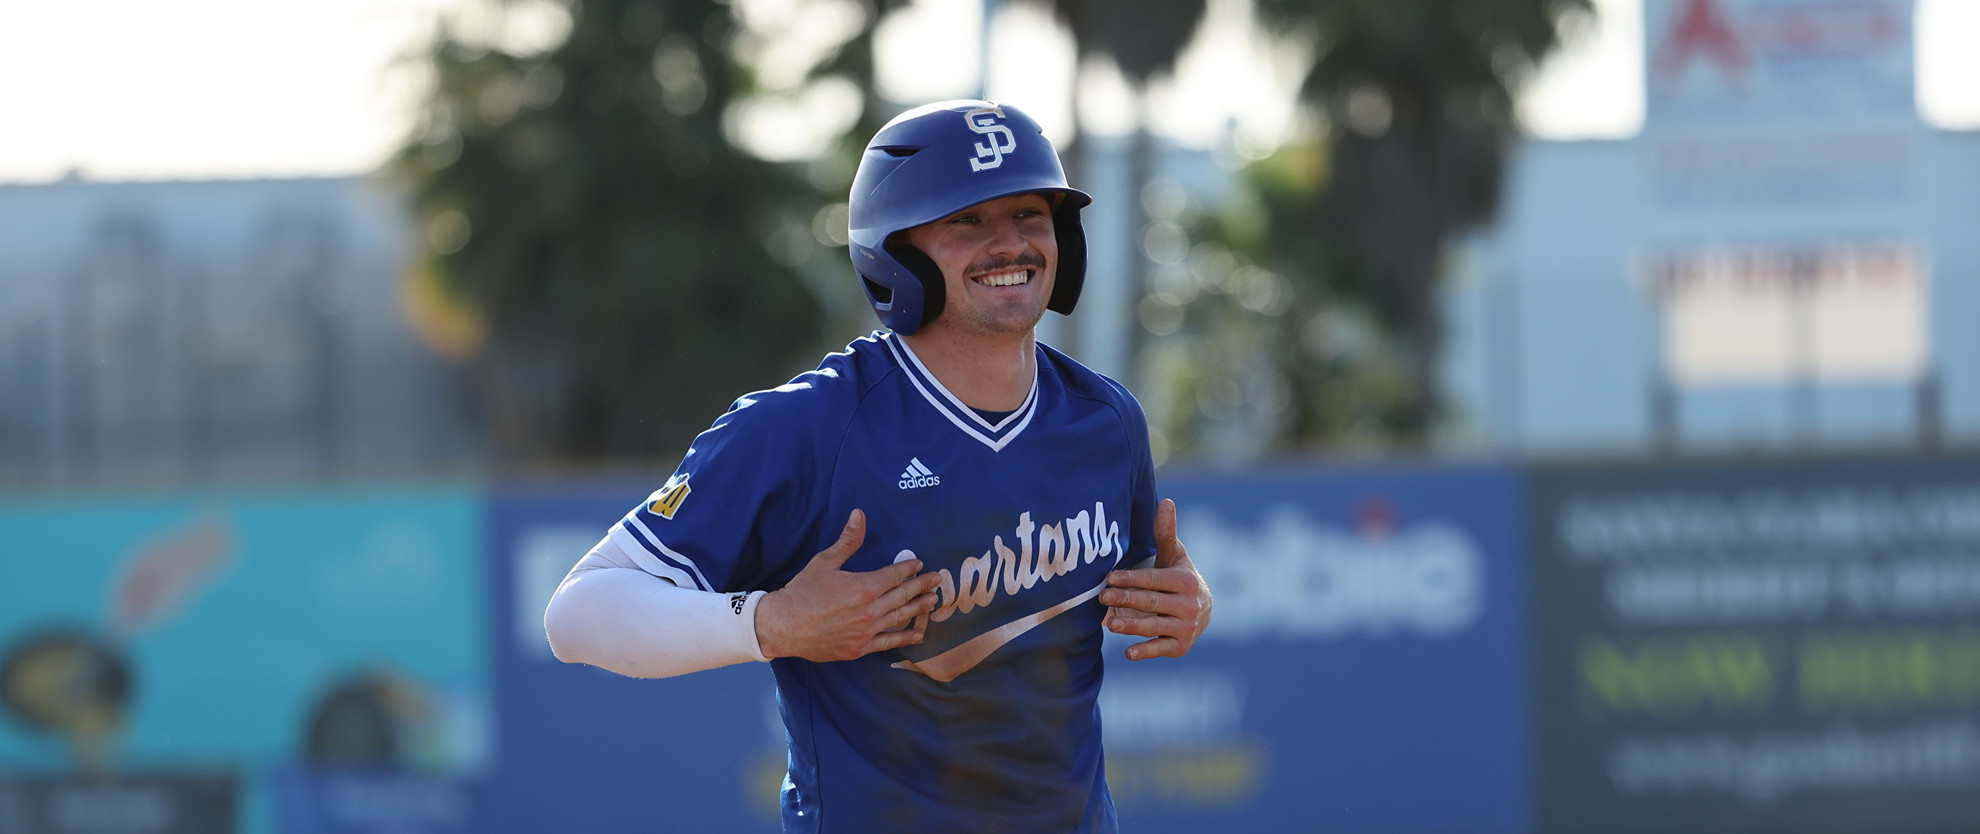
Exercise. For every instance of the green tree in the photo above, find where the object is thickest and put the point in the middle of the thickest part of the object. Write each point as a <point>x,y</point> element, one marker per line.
<point>1248,356</point>
<point>1143,37</point>
<point>600,245</point>
<point>1418,99</point>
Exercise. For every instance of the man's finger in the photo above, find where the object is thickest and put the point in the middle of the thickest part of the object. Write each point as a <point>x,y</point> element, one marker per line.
<point>1148,601</point>
<point>849,541</point>
<point>1158,647</point>
<point>1168,550</point>
<point>923,604</point>
<point>904,594</point>
<point>1142,626</point>
<point>908,571</point>
<point>1166,580</point>
<point>889,640</point>
<point>915,608</point>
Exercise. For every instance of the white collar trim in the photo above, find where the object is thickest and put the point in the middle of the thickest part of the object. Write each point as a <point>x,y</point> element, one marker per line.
<point>994,435</point>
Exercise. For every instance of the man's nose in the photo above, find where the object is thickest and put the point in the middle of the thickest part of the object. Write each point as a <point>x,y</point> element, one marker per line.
<point>1006,239</point>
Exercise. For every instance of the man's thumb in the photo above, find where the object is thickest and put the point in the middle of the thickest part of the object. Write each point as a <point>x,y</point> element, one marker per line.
<point>849,541</point>
<point>1168,550</point>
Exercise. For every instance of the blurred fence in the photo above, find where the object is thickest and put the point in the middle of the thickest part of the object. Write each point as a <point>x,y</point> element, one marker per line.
<point>175,330</point>
<point>1711,647</point>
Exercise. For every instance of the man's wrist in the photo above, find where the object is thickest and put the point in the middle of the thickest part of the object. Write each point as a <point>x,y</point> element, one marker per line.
<point>766,644</point>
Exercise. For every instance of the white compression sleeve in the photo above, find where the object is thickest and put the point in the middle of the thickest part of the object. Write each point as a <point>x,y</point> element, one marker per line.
<point>611,614</point>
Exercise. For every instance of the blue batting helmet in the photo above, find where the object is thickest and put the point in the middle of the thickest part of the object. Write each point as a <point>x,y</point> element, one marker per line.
<point>934,161</point>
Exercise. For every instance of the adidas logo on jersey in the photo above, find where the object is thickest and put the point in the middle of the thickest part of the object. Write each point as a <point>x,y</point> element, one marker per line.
<point>917,475</point>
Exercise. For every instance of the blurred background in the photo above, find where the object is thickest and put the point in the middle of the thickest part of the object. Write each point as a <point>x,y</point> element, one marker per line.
<point>1566,399</point>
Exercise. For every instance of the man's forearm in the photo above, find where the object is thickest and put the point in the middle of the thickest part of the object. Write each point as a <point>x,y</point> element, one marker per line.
<point>611,614</point>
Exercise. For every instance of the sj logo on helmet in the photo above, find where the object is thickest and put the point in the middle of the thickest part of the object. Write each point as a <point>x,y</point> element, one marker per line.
<point>998,139</point>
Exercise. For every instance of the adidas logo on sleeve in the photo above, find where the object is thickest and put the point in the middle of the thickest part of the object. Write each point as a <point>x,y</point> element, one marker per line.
<point>917,475</point>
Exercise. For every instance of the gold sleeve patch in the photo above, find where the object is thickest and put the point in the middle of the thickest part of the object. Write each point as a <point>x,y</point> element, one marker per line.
<point>670,498</point>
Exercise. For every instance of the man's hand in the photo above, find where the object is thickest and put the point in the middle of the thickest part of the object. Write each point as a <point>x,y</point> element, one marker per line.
<point>827,613</point>
<point>1168,602</point>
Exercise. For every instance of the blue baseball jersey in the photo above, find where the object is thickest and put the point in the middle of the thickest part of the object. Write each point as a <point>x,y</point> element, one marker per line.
<point>992,723</point>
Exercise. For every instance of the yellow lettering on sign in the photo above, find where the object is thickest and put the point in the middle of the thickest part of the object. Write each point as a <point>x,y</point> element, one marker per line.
<point>1222,774</point>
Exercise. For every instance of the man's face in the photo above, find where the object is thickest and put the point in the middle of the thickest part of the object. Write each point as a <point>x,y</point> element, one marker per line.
<point>998,260</point>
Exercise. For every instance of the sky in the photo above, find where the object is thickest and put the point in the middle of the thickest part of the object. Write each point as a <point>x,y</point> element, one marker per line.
<point>191,89</point>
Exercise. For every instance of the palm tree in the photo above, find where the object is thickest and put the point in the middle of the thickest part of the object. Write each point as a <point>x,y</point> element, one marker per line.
<point>1143,38</point>
<point>597,238</point>
<point>1418,96</point>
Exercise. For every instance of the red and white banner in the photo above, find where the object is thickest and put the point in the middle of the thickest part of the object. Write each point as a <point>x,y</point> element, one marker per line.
<point>1779,103</point>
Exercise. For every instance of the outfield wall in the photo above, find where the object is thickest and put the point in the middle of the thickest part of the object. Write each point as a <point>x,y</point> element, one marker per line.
<point>1779,646</point>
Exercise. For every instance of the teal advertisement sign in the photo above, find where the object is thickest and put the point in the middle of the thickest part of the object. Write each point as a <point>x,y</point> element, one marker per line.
<point>234,642</point>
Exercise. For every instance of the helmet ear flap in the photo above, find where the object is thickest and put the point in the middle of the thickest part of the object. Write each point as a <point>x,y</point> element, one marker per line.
<point>934,290</point>
<point>1071,275</point>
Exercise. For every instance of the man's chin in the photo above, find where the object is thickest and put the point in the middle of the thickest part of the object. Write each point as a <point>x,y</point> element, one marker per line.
<point>1009,325</point>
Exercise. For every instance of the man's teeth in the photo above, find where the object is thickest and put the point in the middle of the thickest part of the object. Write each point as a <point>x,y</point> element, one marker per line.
<point>1007,279</point>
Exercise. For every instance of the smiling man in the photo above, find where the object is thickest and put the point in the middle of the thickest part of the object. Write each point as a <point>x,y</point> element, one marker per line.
<point>926,535</point>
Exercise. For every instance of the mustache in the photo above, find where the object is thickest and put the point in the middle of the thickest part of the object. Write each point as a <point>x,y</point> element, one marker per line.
<point>1029,260</point>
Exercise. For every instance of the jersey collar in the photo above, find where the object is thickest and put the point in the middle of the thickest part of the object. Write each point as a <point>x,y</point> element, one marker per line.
<point>994,435</point>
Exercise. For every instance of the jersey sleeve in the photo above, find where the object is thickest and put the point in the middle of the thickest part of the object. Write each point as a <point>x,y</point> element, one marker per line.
<point>734,514</point>
<point>1141,536</point>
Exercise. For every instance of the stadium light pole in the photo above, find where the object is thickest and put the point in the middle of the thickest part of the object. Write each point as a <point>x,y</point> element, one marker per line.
<point>983,53</point>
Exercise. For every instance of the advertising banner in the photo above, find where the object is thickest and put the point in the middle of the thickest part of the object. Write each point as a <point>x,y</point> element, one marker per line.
<point>1365,670</point>
<point>166,659</point>
<point>1841,311</point>
<point>1781,165</point>
<point>1759,646</point>
<point>583,749</point>
<point>177,803</point>
<point>1779,102</point>
<point>1367,653</point>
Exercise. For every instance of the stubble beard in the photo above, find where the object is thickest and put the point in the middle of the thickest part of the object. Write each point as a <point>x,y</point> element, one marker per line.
<point>1007,319</point>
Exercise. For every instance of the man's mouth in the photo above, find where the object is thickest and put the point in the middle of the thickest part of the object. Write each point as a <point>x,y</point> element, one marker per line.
<point>1005,278</point>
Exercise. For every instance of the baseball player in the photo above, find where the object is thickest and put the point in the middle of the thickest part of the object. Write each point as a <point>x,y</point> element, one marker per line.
<point>926,535</point>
